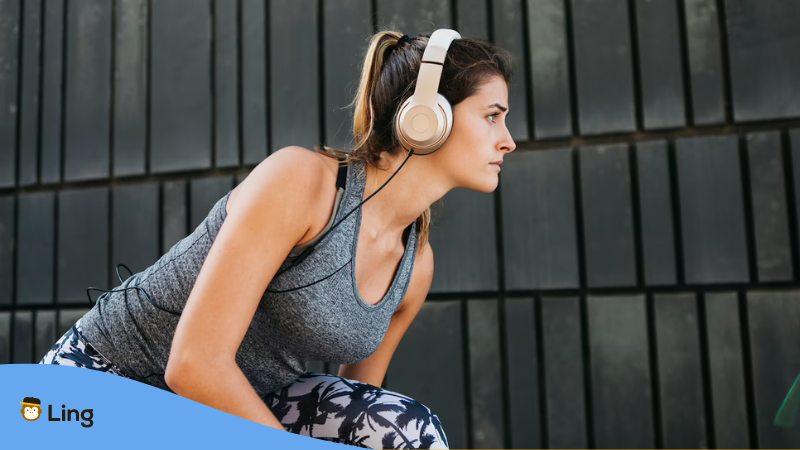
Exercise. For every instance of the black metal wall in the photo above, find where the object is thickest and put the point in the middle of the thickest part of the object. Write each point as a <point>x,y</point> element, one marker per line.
<point>633,281</point>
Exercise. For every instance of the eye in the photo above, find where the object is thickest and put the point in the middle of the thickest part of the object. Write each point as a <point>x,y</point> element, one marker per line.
<point>493,116</point>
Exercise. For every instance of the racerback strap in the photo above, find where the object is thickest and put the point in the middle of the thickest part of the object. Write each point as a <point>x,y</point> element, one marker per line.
<point>341,179</point>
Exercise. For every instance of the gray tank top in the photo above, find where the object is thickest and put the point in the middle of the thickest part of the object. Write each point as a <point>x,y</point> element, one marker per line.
<point>311,312</point>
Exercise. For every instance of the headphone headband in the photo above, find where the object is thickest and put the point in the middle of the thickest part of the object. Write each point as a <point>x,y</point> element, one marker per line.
<point>430,70</point>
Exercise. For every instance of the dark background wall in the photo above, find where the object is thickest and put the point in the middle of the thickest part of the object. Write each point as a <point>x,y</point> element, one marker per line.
<point>632,282</point>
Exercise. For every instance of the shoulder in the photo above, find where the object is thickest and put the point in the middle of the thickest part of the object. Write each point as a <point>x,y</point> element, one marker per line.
<point>300,160</point>
<point>309,161</point>
<point>315,165</point>
<point>303,172</point>
<point>421,279</point>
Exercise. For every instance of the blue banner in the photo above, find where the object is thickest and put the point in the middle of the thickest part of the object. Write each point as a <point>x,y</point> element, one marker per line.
<point>76,407</point>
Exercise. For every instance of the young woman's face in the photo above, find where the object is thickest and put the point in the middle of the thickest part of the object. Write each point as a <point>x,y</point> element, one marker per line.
<point>478,138</point>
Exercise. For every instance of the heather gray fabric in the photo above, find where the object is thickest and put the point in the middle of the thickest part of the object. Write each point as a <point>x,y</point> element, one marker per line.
<point>336,204</point>
<point>311,312</point>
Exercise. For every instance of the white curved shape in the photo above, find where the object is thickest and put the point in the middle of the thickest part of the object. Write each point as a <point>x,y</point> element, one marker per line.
<point>430,71</point>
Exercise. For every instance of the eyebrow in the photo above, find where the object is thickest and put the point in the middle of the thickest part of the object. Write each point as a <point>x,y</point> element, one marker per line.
<point>499,106</point>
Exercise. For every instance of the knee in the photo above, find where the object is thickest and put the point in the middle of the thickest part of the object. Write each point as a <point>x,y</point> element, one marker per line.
<point>432,435</point>
<point>420,423</point>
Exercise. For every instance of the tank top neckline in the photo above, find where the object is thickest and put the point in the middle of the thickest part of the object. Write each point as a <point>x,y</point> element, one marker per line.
<point>356,183</point>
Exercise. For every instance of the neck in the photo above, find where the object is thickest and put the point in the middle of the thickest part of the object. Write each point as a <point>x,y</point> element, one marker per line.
<point>412,190</point>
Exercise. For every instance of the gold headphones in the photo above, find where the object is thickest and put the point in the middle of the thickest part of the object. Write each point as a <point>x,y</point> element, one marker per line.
<point>424,121</point>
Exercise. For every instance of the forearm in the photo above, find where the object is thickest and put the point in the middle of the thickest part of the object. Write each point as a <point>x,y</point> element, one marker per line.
<point>225,387</point>
<point>371,375</point>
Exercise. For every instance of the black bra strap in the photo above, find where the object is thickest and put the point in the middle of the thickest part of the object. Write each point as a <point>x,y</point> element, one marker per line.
<point>341,179</point>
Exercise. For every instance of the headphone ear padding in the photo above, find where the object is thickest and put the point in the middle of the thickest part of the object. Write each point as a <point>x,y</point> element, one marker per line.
<point>421,128</point>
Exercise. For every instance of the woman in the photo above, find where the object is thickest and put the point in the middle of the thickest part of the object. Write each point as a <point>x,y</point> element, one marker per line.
<point>244,299</point>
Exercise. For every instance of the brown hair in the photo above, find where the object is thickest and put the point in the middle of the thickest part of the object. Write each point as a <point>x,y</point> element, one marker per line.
<point>388,78</point>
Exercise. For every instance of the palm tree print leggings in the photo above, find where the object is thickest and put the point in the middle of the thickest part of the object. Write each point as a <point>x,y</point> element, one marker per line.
<point>317,405</point>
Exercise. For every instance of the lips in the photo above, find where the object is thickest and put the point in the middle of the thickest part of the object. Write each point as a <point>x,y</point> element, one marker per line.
<point>499,163</point>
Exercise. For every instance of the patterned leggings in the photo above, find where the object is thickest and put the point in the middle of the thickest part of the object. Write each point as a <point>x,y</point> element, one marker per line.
<point>318,405</point>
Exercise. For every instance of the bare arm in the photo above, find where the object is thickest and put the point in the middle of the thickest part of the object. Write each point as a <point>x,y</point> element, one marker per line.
<point>258,233</point>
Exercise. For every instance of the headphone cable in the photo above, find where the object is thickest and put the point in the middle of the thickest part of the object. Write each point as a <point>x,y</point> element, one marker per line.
<point>305,253</point>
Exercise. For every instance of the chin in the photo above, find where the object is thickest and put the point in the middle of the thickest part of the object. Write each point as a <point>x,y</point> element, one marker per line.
<point>487,186</point>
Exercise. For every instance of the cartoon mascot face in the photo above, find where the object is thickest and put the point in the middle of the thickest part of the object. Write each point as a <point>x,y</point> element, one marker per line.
<point>31,408</point>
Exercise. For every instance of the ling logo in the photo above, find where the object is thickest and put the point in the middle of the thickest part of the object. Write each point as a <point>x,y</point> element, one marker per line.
<point>32,410</point>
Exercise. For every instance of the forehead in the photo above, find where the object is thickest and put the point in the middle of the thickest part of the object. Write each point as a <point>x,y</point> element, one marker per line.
<point>494,89</point>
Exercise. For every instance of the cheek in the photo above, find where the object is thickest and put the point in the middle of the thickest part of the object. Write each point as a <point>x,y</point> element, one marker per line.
<point>469,124</point>
<point>472,133</point>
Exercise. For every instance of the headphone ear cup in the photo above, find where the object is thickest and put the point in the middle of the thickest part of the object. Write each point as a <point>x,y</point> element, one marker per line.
<point>422,128</point>
<point>447,113</point>
<point>399,130</point>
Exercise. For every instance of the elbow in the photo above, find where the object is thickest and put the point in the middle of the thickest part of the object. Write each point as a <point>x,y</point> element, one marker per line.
<point>175,374</point>
<point>189,373</point>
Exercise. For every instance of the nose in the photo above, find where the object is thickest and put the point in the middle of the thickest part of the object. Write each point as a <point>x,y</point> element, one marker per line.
<point>507,144</point>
